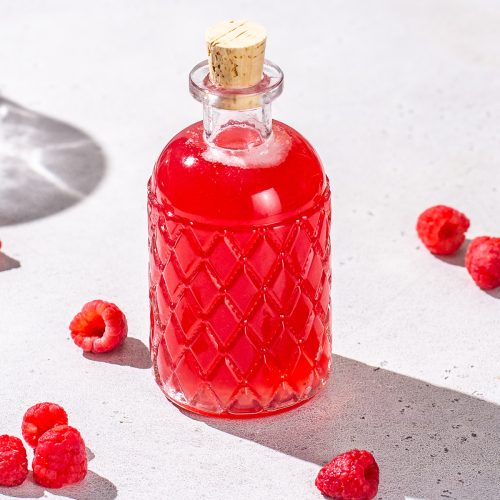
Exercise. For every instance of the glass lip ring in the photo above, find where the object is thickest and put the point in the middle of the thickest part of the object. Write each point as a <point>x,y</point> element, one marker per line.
<point>268,89</point>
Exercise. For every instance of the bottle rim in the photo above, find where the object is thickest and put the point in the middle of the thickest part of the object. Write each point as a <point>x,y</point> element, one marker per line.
<point>268,89</point>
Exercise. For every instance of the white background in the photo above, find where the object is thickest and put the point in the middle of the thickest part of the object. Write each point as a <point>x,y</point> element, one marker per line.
<point>401,100</point>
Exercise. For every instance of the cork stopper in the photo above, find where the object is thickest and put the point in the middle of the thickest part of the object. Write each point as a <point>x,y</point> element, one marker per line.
<point>236,53</point>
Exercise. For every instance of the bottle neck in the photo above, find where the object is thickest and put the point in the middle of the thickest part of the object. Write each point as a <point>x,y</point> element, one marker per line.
<point>236,118</point>
<point>237,129</point>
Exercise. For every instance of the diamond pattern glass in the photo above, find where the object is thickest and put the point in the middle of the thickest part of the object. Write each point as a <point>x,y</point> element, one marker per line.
<point>240,316</point>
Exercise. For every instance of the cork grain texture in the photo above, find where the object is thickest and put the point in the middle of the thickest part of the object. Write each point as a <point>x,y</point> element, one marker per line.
<point>236,53</point>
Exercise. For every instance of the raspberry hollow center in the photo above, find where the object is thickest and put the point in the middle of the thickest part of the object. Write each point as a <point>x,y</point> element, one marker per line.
<point>95,327</point>
<point>447,230</point>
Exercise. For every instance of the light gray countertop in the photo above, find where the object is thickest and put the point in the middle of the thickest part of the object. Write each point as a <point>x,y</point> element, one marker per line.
<point>401,100</point>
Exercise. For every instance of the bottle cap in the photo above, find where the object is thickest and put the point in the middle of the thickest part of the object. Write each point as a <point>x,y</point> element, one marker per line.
<point>236,53</point>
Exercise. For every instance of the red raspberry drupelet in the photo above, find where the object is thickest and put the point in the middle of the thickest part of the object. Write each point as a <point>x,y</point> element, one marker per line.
<point>13,461</point>
<point>60,458</point>
<point>442,229</point>
<point>99,327</point>
<point>39,419</point>
<point>354,475</point>
<point>483,261</point>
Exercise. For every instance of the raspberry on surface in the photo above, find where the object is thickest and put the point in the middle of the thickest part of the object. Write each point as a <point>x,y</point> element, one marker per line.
<point>60,458</point>
<point>354,475</point>
<point>99,327</point>
<point>13,461</point>
<point>442,229</point>
<point>482,260</point>
<point>39,419</point>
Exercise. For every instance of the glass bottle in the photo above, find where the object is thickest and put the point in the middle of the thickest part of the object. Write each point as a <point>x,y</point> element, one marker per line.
<point>239,222</point>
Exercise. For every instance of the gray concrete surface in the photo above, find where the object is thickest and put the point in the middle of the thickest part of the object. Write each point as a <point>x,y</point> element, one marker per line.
<point>401,100</point>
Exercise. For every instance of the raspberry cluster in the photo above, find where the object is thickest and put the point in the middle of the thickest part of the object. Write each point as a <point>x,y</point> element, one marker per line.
<point>60,455</point>
<point>442,230</point>
<point>59,450</point>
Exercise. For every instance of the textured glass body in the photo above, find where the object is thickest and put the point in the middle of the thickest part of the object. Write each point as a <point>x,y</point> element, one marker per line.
<point>239,272</point>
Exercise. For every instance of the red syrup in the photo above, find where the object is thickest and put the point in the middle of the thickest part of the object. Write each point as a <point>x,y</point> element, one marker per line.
<point>239,223</point>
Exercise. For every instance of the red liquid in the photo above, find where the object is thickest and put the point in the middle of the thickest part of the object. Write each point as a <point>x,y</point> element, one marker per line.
<point>239,271</point>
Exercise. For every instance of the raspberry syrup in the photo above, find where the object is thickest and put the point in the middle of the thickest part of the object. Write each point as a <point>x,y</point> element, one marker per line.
<point>239,220</point>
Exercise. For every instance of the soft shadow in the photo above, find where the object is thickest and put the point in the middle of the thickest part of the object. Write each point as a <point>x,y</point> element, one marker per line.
<point>430,442</point>
<point>495,293</point>
<point>90,454</point>
<point>458,258</point>
<point>29,489</point>
<point>132,353</point>
<point>7,263</point>
<point>92,487</point>
<point>46,165</point>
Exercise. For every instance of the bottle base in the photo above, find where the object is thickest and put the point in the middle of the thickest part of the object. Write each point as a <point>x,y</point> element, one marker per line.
<point>179,401</point>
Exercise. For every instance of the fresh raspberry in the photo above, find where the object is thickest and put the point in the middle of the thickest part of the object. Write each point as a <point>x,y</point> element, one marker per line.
<point>13,461</point>
<point>442,229</point>
<point>60,457</point>
<point>350,476</point>
<point>99,327</point>
<point>39,419</point>
<point>483,261</point>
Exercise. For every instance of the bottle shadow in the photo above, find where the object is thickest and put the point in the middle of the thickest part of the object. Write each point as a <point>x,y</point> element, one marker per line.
<point>133,352</point>
<point>430,442</point>
<point>46,165</point>
<point>92,487</point>
<point>7,263</point>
